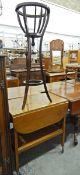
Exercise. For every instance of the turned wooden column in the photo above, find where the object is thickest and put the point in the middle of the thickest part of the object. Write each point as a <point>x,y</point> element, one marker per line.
<point>5,141</point>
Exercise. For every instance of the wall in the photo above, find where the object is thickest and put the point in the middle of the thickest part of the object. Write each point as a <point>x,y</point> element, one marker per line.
<point>63,24</point>
<point>61,20</point>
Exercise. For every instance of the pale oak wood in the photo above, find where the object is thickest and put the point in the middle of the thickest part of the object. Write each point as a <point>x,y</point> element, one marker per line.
<point>37,115</point>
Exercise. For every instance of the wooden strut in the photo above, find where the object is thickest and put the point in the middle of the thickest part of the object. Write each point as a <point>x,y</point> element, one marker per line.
<point>5,135</point>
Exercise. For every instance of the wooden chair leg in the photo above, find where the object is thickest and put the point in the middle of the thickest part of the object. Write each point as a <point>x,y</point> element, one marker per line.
<point>16,151</point>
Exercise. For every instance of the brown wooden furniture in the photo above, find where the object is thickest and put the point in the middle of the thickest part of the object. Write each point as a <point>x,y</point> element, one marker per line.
<point>56,54</point>
<point>74,56</point>
<point>36,122</point>
<point>21,74</point>
<point>5,139</point>
<point>52,77</point>
<point>71,91</point>
<point>20,63</point>
<point>12,81</point>
<point>61,88</point>
<point>72,67</point>
<point>17,92</point>
<point>47,62</point>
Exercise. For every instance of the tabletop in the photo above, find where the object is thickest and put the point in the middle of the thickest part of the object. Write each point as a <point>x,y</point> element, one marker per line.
<point>34,102</point>
<point>69,90</point>
<point>15,92</point>
<point>62,88</point>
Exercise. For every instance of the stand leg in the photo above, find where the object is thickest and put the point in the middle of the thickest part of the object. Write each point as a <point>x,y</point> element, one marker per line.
<point>43,78</point>
<point>28,65</point>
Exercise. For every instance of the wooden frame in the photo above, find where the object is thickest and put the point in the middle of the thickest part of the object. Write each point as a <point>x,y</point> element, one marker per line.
<point>73,56</point>
<point>57,45</point>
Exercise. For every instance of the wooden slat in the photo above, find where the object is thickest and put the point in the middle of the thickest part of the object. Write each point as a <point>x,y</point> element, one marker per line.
<point>39,140</point>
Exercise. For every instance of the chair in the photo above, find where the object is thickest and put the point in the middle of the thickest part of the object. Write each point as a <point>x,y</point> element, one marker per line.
<point>36,14</point>
<point>72,68</point>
